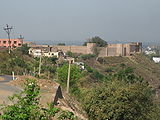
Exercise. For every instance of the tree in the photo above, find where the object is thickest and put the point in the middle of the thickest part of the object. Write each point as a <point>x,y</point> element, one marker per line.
<point>63,74</point>
<point>75,75</point>
<point>96,50</point>
<point>116,100</point>
<point>99,42</point>
<point>127,74</point>
<point>24,49</point>
<point>61,44</point>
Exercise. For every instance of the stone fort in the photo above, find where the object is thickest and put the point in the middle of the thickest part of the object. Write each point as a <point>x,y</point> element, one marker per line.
<point>110,49</point>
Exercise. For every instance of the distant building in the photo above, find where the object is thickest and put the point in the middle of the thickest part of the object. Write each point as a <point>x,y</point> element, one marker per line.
<point>13,43</point>
<point>53,54</point>
<point>149,51</point>
<point>156,59</point>
<point>38,51</point>
<point>35,52</point>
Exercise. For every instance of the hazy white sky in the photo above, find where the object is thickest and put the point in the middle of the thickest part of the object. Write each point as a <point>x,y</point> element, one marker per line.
<point>75,20</point>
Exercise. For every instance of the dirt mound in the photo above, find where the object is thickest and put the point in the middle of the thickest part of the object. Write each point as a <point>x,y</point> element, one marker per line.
<point>48,93</point>
<point>44,84</point>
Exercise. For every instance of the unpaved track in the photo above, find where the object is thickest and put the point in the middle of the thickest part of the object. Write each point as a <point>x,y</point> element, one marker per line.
<point>6,90</point>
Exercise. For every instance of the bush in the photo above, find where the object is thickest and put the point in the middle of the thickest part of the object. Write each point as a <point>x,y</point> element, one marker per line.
<point>97,76</point>
<point>26,105</point>
<point>88,68</point>
<point>66,115</point>
<point>75,75</point>
<point>88,56</point>
<point>109,70</point>
<point>116,100</point>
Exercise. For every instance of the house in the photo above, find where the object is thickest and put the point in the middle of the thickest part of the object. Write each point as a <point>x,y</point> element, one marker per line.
<point>149,51</point>
<point>12,43</point>
<point>44,51</point>
<point>35,52</point>
<point>53,54</point>
<point>156,59</point>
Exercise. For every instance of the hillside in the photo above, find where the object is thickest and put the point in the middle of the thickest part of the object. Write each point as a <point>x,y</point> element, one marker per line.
<point>93,80</point>
<point>142,65</point>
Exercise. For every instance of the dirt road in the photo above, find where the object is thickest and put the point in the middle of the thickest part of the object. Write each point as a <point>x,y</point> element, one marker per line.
<point>6,90</point>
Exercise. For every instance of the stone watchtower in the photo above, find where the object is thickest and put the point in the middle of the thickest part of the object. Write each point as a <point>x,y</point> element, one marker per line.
<point>90,47</point>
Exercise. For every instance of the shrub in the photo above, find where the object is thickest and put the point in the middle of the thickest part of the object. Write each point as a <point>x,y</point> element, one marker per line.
<point>88,56</point>
<point>26,105</point>
<point>66,115</point>
<point>116,100</point>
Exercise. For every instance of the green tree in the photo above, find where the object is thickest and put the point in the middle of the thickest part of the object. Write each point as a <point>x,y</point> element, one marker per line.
<point>75,75</point>
<point>127,74</point>
<point>24,49</point>
<point>61,44</point>
<point>116,100</point>
<point>99,41</point>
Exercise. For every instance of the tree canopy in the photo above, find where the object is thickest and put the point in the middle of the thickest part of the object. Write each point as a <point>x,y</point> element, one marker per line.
<point>75,75</point>
<point>99,41</point>
<point>116,100</point>
<point>61,44</point>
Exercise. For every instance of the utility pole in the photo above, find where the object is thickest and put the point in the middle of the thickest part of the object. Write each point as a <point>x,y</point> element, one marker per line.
<point>69,71</point>
<point>13,75</point>
<point>8,31</point>
<point>40,63</point>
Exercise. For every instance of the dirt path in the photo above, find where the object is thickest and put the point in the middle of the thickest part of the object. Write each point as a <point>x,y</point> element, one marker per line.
<point>1,78</point>
<point>6,90</point>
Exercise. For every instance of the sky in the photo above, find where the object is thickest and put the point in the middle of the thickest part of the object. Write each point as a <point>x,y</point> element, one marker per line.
<point>73,21</point>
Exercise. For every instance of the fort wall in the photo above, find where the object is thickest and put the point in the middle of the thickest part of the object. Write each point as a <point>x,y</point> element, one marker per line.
<point>74,49</point>
<point>102,52</point>
<point>109,50</point>
<point>77,49</point>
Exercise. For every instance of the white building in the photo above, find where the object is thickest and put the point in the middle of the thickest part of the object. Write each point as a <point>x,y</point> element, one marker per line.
<point>149,51</point>
<point>54,54</point>
<point>156,59</point>
<point>35,52</point>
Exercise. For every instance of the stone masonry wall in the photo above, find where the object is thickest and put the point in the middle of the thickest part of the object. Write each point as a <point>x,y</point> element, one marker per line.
<point>110,50</point>
<point>74,49</point>
<point>77,49</point>
<point>102,52</point>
